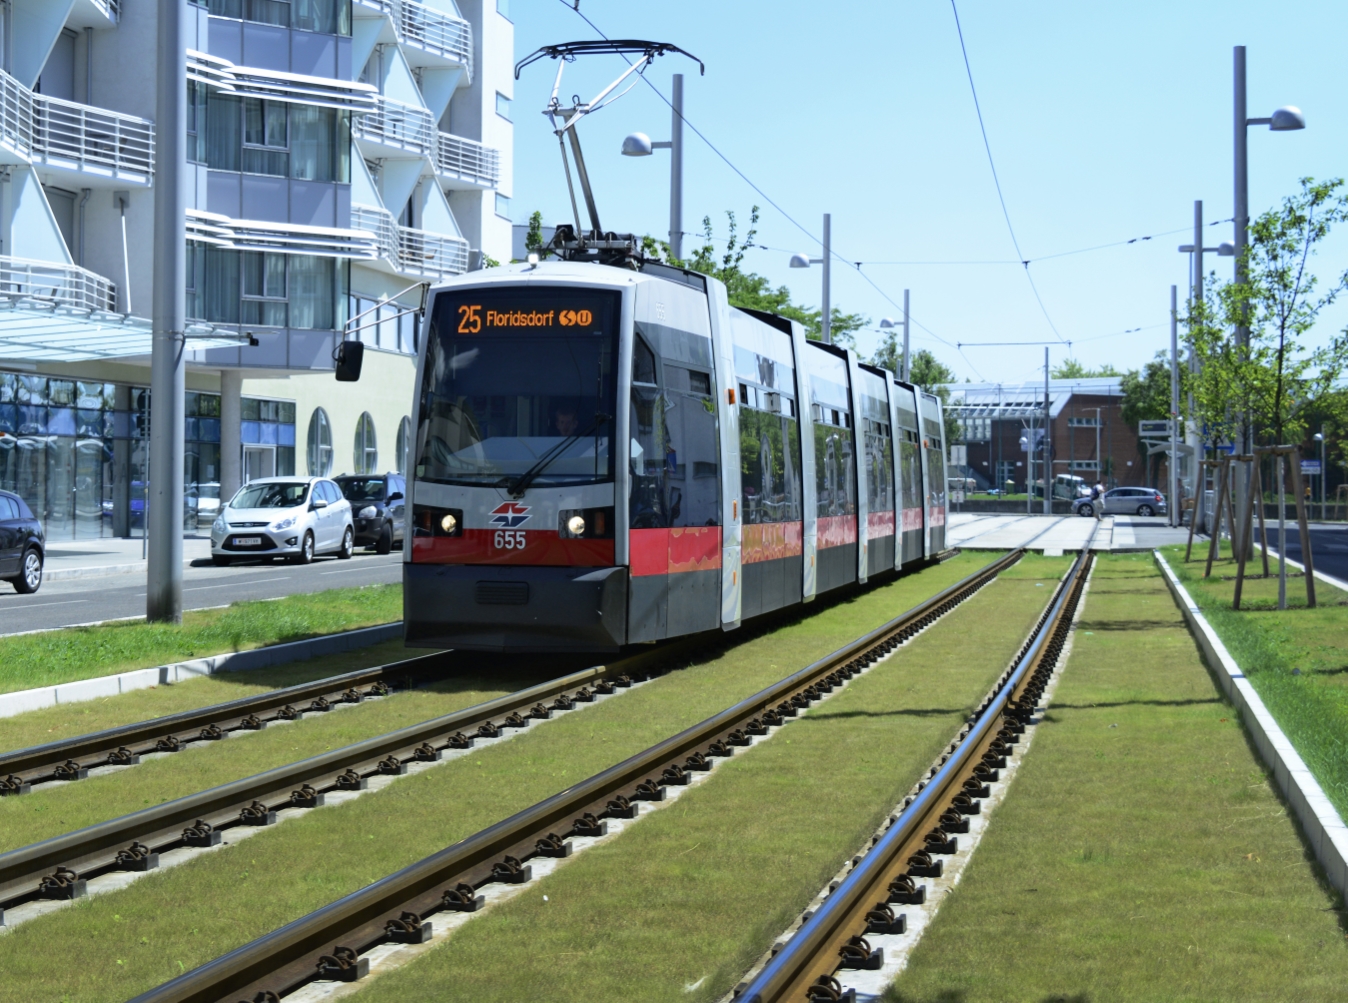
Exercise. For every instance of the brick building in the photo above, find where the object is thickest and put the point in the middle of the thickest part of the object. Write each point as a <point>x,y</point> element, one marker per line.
<point>1088,436</point>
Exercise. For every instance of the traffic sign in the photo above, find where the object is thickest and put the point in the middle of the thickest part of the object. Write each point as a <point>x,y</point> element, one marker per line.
<point>1310,466</point>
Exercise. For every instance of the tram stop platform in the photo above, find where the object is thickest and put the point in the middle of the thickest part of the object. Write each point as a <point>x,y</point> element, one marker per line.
<point>1056,534</point>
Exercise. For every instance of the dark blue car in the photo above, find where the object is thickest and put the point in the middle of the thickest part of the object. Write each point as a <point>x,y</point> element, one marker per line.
<point>22,544</point>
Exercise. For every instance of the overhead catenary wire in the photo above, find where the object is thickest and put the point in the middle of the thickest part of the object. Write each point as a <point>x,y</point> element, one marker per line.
<point>997,181</point>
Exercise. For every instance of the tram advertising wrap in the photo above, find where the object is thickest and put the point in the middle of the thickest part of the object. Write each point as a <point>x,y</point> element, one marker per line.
<point>614,455</point>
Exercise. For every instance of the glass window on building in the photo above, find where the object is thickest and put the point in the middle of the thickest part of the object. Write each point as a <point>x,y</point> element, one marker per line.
<point>502,205</point>
<point>258,136</point>
<point>503,8</point>
<point>299,291</point>
<point>267,436</point>
<point>331,17</point>
<point>503,106</point>
<point>319,452</point>
<point>404,440</point>
<point>366,448</point>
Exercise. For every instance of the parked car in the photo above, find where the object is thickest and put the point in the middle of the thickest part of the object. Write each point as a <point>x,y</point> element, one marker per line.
<point>206,500</point>
<point>292,517</point>
<point>380,509</point>
<point>23,544</point>
<point>1124,501</point>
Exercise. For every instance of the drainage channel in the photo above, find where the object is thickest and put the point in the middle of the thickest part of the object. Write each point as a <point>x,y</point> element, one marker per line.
<point>831,943</point>
<point>60,869</point>
<point>417,905</point>
<point>76,757</point>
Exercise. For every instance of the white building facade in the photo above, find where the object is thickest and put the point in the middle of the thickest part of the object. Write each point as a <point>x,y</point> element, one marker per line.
<point>339,152</point>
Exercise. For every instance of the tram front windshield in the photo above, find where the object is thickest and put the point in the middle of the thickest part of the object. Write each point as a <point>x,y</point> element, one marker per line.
<point>519,383</point>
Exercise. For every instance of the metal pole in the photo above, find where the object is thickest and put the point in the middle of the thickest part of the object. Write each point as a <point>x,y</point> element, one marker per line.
<point>1048,457</point>
<point>1324,473</point>
<point>1198,515</point>
<point>826,317</point>
<point>907,366</point>
<point>1242,223</point>
<point>676,171</point>
<point>164,584</point>
<point>1174,408</point>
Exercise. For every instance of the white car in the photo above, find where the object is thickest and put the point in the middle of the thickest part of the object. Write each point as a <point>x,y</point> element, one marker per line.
<point>292,517</point>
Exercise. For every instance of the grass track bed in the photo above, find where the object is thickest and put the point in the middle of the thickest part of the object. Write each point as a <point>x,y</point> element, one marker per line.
<point>51,724</point>
<point>1142,853</point>
<point>55,808</point>
<point>61,656</point>
<point>693,894</point>
<point>159,926</point>
<point>1297,659</point>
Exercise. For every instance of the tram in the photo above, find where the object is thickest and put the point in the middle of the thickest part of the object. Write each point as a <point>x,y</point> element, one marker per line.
<point>607,454</point>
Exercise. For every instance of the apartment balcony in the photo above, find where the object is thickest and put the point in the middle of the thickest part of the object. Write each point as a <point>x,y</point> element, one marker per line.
<point>55,286</point>
<point>433,35</point>
<point>396,127</point>
<point>64,135</point>
<point>466,163</point>
<point>417,253</point>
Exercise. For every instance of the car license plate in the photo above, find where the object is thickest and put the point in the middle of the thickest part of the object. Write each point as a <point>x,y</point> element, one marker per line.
<point>247,541</point>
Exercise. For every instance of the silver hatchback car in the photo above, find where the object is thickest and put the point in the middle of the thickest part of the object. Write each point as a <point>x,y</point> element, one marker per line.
<point>291,517</point>
<point>1124,501</point>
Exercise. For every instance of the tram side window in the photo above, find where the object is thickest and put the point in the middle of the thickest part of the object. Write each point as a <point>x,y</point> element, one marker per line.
<point>879,465</point>
<point>910,470</point>
<point>674,448</point>
<point>834,463</point>
<point>769,457</point>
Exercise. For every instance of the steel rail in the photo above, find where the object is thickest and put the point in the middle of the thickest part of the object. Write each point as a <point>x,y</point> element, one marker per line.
<point>58,868</point>
<point>810,966</point>
<point>72,758</point>
<point>329,943</point>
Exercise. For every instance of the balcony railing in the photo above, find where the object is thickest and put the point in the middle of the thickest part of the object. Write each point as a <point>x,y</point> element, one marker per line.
<point>431,255</point>
<point>56,285</point>
<point>467,160</point>
<point>412,252</point>
<point>393,123</point>
<point>112,9</point>
<point>425,28</point>
<point>75,137</point>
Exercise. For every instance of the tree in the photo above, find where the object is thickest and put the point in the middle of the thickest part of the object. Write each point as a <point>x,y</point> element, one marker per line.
<point>750,290</point>
<point>1071,369</point>
<point>533,240</point>
<point>1146,397</point>
<point>1266,386</point>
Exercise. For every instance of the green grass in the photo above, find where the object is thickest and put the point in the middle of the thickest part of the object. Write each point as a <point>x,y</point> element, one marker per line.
<point>1142,853</point>
<point>135,938</point>
<point>61,656</point>
<point>694,894</point>
<point>1297,659</point>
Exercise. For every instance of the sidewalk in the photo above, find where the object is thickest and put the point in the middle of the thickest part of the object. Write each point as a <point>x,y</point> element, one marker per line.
<point>1057,534</point>
<point>68,559</point>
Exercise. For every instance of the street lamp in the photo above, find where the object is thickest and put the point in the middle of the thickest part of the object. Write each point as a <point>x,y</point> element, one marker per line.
<point>638,144</point>
<point>1320,438</point>
<point>1284,119</point>
<point>805,261</point>
<point>905,369</point>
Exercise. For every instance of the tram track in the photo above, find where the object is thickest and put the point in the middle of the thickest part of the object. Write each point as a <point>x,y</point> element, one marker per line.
<point>333,941</point>
<point>813,965</point>
<point>73,758</point>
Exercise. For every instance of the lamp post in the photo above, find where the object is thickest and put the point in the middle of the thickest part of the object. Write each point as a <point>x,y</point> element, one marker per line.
<point>1196,250</point>
<point>638,144</point>
<point>1284,119</point>
<point>1320,438</point>
<point>805,261</point>
<point>905,369</point>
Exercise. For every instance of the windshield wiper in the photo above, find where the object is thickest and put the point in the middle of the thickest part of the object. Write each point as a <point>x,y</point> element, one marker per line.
<point>520,484</point>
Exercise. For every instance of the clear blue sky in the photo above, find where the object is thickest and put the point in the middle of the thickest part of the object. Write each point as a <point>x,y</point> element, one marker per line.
<point>1106,123</point>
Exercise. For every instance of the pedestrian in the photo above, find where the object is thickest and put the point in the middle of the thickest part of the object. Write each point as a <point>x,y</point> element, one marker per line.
<point>1098,500</point>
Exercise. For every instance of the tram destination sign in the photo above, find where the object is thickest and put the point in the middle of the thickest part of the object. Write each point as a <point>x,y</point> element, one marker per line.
<point>514,313</point>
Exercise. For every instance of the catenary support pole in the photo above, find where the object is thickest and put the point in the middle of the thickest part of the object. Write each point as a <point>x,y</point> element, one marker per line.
<point>1198,473</point>
<point>164,568</point>
<point>907,359</point>
<point>826,315</point>
<point>676,171</point>
<point>1242,224</point>
<point>1175,499</point>
<point>1048,447</point>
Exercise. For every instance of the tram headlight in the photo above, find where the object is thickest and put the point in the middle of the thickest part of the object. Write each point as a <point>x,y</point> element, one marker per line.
<point>585,523</point>
<point>576,525</point>
<point>449,522</point>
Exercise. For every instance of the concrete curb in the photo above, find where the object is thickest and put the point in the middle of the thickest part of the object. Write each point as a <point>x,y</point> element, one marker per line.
<point>1324,829</point>
<point>99,570</point>
<point>232,661</point>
